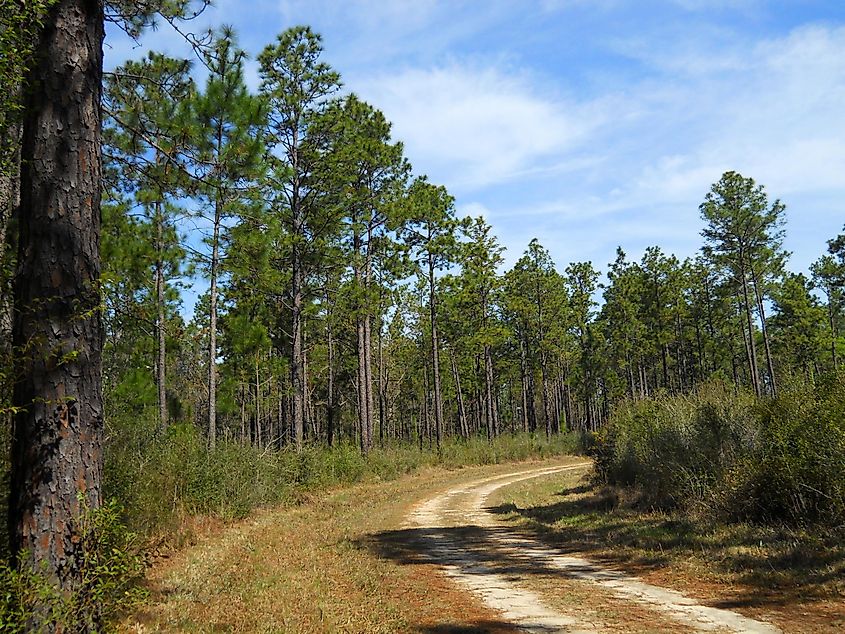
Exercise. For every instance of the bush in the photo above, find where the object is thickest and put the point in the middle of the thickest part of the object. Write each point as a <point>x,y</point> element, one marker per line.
<point>111,568</point>
<point>716,450</point>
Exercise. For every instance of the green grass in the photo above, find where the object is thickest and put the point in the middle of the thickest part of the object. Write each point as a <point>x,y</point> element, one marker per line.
<point>177,476</point>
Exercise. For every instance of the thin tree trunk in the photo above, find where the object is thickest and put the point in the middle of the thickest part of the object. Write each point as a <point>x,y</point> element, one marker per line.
<point>435,355</point>
<point>243,416</point>
<point>363,415</point>
<point>258,436</point>
<point>489,386</point>
<point>769,363</point>
<point>212,331</point>
<point>330,389</point>
<point>832,319</point>
<point>57,442</point>
<point>751,346</point>
<point>161,367</point>
<point>427,411</point>
<point>528,423</point>
<point>463,427</point>
<point>368,374</point>
<point>297,374</point>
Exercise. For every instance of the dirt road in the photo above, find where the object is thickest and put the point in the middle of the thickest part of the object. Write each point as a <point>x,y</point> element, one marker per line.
<point>453,530</point>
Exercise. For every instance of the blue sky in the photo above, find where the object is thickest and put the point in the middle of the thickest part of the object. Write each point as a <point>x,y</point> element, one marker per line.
<point>590,123</point>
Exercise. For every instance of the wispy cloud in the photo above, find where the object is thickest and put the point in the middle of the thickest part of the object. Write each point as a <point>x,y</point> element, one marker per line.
<point>477,126</point>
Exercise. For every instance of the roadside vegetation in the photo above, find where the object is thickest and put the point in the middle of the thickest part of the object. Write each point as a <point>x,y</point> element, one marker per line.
<point>719,453</point>
<point>163,491</point>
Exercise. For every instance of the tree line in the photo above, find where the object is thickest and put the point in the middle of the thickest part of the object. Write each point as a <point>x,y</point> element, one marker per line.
<point>347,299</point>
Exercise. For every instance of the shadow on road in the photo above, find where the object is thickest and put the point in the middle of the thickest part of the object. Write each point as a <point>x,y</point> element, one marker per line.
<point>769,566</point>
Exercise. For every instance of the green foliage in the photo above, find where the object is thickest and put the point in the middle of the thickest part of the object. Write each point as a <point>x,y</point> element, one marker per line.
<point>162,480</point>
<point>717,450</point>
<point>110,566</point>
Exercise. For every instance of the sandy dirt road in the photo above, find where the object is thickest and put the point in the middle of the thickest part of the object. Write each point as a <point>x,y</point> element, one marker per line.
<point>454,530</point>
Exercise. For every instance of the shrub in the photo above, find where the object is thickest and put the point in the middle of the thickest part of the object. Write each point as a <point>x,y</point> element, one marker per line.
<point>716,450</point>
<point>111,568</point>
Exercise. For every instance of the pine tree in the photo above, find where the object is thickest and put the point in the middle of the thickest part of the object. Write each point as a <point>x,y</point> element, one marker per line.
<point>226,158</point>
<point>743,238</point>
<point>428,230</point>
<point>146,138</point>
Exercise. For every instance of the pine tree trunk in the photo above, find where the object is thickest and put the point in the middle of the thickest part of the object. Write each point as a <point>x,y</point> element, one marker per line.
<point>330,388</point>
<point>258,435</point>
<point>161,357</point>
<point>751,346</point>
<point>463,427</point>
<point>363,414</point>
<point>769,363</point>
<point>435,356</point>
<point>368,383</point>
<point>527,394</point>
<point>57,445</point>
<point>296,365</point>
<point>9,201</point>
<point>832,320</point>
<point>382,389</point>
<point>212,330</point>
<point>489,386</point>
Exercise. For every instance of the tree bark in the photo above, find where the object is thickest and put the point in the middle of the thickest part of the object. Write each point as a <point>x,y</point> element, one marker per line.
<point>10,198</point>
<point>57,444</point>
<point>330,388</point>
<point>489,386</point>
<point>368,376</point>
<point>297,378</point>
<point>363,413</point>
<point>212,329</point>
<point>528,422</point>
<point>463,427</point>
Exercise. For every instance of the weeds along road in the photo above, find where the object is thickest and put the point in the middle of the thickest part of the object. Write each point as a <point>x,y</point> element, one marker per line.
<point>419,554</point>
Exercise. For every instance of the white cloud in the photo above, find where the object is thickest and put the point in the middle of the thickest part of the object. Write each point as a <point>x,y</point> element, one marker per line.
<point>476,126</point>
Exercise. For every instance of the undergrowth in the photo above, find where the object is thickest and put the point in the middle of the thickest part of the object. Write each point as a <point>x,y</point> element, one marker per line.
<point>111,565</point>
<point>716,451</point>
<point>176,475</point>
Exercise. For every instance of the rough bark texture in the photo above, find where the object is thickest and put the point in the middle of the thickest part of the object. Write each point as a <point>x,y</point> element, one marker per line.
<point>57,445</point>
<point>9,201</point>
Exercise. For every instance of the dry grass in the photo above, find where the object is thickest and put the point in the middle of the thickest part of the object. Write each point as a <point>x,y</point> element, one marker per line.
<point>794,578</point>
<point>304,570</point>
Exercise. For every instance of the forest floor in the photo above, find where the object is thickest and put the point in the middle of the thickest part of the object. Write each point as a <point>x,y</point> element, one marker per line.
<point>520,547</point>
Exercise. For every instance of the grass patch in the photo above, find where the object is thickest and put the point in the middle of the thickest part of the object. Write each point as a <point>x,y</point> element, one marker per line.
<point>307,569</point>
